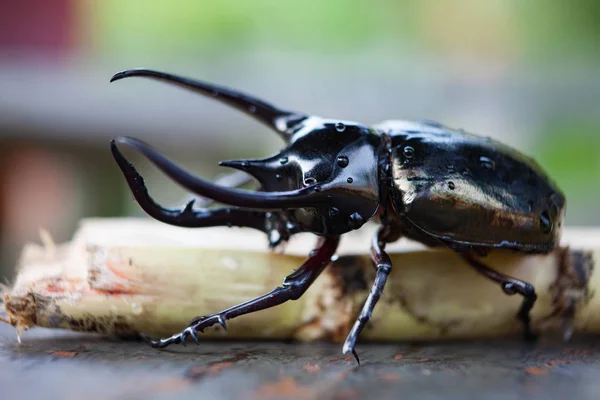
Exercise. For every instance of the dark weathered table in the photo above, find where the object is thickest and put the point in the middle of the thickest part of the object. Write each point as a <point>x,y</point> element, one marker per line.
<point>64,365</point>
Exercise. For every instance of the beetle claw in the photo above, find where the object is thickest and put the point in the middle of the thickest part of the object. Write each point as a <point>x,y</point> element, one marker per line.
<point>194,336</point>
<point>355,354</point>
<point>155,343</point>
<point>294,286</point>
<point>511,286</point>
<point>222,321</point>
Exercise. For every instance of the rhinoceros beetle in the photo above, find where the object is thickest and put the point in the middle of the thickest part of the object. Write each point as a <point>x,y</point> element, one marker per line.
<point>420,180</point>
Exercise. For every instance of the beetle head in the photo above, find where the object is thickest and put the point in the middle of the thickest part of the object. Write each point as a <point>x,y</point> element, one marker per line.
<point>325,179</point>
<point>339,159</point>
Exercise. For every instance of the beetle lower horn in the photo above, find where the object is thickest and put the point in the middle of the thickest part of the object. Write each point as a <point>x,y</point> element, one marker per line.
<point>307,197</point>
<point>276,119</point>
<point>187,216</point>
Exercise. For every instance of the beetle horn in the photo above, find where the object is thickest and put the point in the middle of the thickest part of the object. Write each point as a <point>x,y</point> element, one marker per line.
<point>259,169</point>
<point>279,120</point>
<point>307,197</point>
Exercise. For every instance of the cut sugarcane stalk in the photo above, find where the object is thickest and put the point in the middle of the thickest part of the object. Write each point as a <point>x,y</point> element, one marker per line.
<point>125,276</point>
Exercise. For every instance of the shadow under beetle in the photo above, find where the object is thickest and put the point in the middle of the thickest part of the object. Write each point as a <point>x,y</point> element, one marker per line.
<point>420,180</point>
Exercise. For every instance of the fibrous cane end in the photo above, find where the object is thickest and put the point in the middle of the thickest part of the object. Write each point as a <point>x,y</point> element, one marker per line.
<point>18,312</point>
<point>571,289</point>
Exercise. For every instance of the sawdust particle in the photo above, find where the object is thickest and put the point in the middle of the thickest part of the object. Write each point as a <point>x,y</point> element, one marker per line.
<point>64,354</point>
<point>554,363</point>
<point>398,357</point>
<point>346,394</point>
<point>172,384</point>
<point>536,371</point>
<point>312,368</point>
<point>282,388</point>
<point>216,367</point>
<point>389,377</point>
<point>212,369</point>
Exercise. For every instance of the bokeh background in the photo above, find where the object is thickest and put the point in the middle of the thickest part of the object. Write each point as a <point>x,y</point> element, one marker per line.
<point>526,72</point>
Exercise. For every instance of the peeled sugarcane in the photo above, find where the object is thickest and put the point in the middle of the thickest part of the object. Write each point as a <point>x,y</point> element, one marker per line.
<point>128,276</point>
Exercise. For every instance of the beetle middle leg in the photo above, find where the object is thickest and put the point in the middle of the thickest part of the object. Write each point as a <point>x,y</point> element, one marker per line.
<point>511,286</point>
<point>293,287</point>
<point>383,265</point>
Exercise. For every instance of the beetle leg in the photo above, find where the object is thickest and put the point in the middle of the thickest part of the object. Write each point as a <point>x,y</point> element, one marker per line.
<point>294,286</point>
<point>384,267</point>
<point>511,286</point>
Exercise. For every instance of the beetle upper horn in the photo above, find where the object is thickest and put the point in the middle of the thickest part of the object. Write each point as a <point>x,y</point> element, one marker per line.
<point>279,120</point>
<point>307,197</point>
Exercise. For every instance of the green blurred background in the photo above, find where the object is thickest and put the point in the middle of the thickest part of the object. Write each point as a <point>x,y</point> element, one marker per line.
<point>525,72</point>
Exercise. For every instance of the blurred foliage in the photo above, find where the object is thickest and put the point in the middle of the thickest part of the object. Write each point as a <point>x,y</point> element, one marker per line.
<point>570,153</point>
<point>533,29</point>
<point>203,25</point>
<point>559,28</point>
<point>549,35</point>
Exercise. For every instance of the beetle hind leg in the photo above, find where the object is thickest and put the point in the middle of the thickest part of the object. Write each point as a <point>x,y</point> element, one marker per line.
<point>293,287</point>
<point>511,286</point>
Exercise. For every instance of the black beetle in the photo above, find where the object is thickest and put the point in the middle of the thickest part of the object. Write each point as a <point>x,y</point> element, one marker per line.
<point>420,180</point>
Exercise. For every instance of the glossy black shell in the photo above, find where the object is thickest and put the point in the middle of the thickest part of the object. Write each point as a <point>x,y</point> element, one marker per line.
<point>465,191</point>
<point>340,159</point>
<point>430,183</point>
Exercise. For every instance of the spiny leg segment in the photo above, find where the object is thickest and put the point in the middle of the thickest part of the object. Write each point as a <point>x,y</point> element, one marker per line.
<point>510,286</point>
<point>293,287</point>
<point>384,267</point>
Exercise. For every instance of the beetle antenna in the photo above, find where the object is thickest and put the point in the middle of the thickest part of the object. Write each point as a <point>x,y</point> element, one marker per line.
<point>306,197</point>
<point>279,120</point>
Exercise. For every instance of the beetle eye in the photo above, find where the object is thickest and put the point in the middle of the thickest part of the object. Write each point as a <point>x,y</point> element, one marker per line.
<point>409,152</point>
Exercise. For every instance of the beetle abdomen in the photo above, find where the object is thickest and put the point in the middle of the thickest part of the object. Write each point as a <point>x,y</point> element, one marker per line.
<point>471,191</point>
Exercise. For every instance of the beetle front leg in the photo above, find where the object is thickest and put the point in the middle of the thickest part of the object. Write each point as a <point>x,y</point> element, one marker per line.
<point>511,286</point>
<point>294,286</point>
<point>384,267</point>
